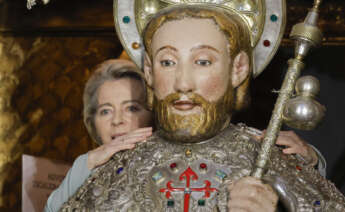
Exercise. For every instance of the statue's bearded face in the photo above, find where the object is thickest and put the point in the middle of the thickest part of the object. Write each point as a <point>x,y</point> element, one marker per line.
<point>190,74</point>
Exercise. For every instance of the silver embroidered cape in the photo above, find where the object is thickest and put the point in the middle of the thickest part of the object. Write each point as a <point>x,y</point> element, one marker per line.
<point>159,175</point>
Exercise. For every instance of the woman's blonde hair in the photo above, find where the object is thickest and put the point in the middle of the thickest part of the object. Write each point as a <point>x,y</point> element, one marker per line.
<point>108,70</point>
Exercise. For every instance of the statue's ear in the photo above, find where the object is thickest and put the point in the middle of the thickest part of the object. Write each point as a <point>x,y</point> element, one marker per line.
<point>240,69</point>
<point>148,70</point>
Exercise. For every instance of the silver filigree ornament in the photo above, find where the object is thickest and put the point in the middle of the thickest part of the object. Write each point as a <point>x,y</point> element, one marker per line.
<point>31,3</point>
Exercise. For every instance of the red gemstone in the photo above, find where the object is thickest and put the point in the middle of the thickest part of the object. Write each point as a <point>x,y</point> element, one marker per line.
<point>298,168</point>
<point>203,166</point>
<point>173,165</point>
<point>267,43</point>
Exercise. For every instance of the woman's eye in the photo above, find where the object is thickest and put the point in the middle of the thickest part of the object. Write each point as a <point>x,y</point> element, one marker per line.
<point>167,63</point>
<point>203,62</point>
<point>133,108</point>
<point>104,112</point>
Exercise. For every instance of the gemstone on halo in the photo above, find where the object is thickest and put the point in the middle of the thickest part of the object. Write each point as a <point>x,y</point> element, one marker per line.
<point>126,19</point>
<point>274,18</point>
<point>135,45</point>
<point>267,43</point>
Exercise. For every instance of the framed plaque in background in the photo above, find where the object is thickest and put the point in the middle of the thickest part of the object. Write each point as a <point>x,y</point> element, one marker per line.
<point>40,177</point>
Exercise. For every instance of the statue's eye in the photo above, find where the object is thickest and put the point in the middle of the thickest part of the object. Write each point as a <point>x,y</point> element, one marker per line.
<point>167,63</point>
<point>203,62</point>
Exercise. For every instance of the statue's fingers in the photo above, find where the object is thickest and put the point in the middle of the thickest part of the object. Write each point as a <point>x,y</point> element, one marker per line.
<point>261,203</point>
<point>253,195</point>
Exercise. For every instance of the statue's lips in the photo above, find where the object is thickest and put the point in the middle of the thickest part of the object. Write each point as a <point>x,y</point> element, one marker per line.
<point>184,105</point>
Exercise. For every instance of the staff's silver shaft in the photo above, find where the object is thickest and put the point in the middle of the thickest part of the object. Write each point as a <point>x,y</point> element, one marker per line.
<point>306,35</point>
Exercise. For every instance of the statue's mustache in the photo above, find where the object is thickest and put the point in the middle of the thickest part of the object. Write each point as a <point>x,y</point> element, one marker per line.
<point>192,98</point>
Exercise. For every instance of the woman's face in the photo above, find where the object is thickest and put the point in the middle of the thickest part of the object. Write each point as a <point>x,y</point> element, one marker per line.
<point>120,108</point>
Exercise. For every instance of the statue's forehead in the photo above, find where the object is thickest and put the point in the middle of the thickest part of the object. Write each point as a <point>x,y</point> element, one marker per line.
<point>187,20</point>
<point>189,29</point>
<point>192,18</point>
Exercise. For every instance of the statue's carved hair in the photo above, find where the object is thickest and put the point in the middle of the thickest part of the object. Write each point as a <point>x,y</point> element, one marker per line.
<point>107,71</point>
<point>231,24</point>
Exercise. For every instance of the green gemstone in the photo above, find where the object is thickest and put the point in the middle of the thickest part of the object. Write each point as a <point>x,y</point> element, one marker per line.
<point>126,19</point>
<point>157,176</point>
<point>220,174</point>
<point>201,202</point>
<point>274,18</point>
<point>170,203</point>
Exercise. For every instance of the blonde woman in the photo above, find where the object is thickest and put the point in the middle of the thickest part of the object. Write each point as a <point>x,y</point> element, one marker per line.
<point>115,117</point>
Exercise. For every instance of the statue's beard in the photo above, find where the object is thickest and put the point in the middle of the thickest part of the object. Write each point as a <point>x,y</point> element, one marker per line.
<point>194,127</point>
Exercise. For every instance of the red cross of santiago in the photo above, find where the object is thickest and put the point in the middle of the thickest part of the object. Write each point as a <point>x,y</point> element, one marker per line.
<point>188,175</point>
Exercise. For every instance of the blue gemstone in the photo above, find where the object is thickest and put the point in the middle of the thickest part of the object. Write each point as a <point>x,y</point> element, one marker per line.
<point>126,19</point>
<point>317,203</point>
<point>274,18</point>
<point>119,170</point>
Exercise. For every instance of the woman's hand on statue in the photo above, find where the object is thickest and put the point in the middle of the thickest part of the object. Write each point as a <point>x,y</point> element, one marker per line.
<point>103,153</point>
<point>251,195</point>
<point>295,145</point>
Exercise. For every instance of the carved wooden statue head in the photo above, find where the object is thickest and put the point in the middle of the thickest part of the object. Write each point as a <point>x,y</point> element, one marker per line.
<point>198,64</point>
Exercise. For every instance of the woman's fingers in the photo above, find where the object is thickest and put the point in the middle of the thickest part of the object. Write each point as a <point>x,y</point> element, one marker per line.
<point>286,141</point>
<point>291,150</point>
<point>287,138</point>
<point>115,149</point>
<point>132,138</point>
<point>294,145</point>
<point>140,131</point>
<point>103,153</point>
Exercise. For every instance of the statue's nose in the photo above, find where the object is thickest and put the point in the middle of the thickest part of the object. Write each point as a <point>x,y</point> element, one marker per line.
<point>184,80</point>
